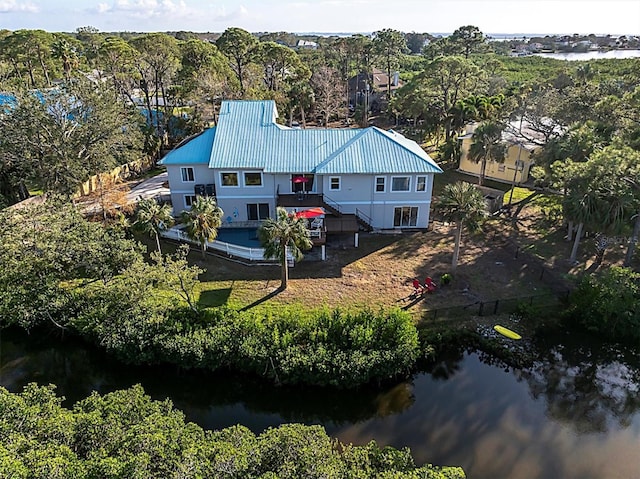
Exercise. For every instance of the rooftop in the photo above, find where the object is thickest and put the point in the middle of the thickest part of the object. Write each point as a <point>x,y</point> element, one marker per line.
<point>248,137</point>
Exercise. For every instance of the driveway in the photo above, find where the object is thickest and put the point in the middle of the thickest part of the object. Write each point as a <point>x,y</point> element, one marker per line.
<point>151,188</point>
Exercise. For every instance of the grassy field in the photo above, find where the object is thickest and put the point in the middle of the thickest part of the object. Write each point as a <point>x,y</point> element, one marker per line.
<point>377,274</point>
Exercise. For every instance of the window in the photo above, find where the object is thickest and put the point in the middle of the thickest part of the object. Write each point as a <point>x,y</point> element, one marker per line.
<point>400,183</point>
<point>257,211</point>
<point>189,200</point>
<point>421,184</point>
<point>334,183</point>
<point>253,179</point>
<point>229,179</point>
<point>405,216</point>
<point>380,184</point>
<point>187,174</point>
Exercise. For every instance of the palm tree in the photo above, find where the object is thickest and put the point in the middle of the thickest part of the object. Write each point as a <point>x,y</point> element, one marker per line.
<point>203,220</point>
<point>463,204</point>
<point>285,233</point>
<point>152,218</point>
<point>64,51</point>
<point>487,145</point>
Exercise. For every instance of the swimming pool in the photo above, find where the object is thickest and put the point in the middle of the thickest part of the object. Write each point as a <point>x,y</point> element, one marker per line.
<point>247,237</point>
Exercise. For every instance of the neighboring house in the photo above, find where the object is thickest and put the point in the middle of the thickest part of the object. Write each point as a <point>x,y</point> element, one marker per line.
<point>518,161</point>
<point>378,82</point>
<point>307,44</point>
<point>362,177</point>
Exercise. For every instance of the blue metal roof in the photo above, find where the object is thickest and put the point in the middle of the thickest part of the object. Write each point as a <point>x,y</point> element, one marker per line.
<point>7,102</point>
<point>248,138</point>
<point>195,151</point>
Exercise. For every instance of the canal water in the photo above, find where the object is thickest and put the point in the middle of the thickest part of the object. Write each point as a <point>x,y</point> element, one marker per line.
<point>575,413</point>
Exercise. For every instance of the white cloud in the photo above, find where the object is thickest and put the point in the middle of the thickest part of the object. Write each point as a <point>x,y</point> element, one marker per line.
<point>12,6</point>
<point>221,14</point>
<point>146,8</point>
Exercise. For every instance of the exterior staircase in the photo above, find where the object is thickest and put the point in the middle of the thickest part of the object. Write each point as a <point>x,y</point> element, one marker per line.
<point>331,206</point>
<point>363,220</point>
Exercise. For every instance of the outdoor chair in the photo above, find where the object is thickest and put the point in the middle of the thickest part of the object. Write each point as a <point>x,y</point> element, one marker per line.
<point>429,285</point>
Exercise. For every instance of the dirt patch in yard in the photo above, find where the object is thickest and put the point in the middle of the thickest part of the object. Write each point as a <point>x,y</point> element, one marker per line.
<point>379,273</point>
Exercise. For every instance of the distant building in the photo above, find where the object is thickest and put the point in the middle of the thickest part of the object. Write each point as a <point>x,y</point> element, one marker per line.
<point>519,158</point>
<point>306,44</point>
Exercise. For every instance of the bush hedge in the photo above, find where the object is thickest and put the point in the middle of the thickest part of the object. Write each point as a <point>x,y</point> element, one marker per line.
<point>334,348</point>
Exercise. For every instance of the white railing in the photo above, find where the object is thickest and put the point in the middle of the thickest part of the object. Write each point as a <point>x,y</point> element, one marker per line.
<point>252,254</point>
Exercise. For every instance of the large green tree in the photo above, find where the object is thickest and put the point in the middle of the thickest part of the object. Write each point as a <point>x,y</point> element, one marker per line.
<point>443,82</point>
<point>205,77</point>
<point>239,46</point>
<point>63,136</point>
<point>463,204</point>
<point>600,196</point>
<point>389,45</point>
<point>469,38</point>
<point>202,221</point>
<point>29,53</point>
<point>157,63</point>
<point>47,250</point>
<point>284,235</point>
<point>278,62</point>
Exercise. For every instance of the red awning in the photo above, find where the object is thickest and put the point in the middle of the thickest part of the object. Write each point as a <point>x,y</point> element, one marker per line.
<point>300,179</point>
<point>310,213</point>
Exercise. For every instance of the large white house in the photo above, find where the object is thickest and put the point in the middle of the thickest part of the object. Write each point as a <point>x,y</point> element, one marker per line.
<point>362,177</point>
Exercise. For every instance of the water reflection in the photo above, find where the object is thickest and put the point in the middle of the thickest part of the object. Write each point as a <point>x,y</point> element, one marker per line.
<point>572,414</point>
<point>214,400</point>
<point>586,385</point>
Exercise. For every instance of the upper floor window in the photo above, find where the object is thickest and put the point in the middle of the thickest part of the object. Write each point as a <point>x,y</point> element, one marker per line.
<point>334,183</point>
<point>253,179</point>
<point>187,174</point>
<point>421,184</point>
<point>229,179</point>
<point>380,184</point>
<point>400,183</point>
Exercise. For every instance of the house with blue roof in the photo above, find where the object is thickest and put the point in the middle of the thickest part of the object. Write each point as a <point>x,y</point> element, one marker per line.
<point>367,177</point>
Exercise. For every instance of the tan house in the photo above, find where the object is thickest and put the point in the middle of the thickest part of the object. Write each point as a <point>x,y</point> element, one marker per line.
<point>518,160</point>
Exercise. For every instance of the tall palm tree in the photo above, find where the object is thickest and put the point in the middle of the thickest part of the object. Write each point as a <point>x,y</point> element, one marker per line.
<point>487,145</point>
<point>152,218</point>
<point>284,233</point>
<point>463,204</point>
<point>64,51</point>
<point>203,220</point>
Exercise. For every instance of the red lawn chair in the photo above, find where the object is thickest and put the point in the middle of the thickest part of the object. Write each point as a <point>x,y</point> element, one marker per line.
<point>418,289</point>
<point>429,285</point>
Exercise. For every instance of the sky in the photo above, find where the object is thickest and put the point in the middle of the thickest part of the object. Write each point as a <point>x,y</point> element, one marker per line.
<point>613,17</point>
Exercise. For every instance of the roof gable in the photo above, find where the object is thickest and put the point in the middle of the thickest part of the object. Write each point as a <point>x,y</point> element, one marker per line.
<point>196,150</point>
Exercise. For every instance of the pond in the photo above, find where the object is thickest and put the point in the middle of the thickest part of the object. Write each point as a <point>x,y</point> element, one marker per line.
<point>574,414</point>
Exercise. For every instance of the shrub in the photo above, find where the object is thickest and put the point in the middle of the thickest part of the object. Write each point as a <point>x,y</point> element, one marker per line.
<point>126,434</point>
<point>609,304</point>
<point>334,348</point>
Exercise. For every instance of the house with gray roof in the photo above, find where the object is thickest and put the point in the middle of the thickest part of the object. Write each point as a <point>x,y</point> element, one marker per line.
<point>367,178</point>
